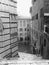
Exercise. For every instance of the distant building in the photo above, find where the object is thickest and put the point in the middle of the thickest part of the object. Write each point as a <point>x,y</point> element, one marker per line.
<point>23,28</point>
<point>8,29</point>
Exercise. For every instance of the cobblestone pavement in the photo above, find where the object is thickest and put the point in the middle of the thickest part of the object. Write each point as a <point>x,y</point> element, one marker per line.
<point>25,58</point>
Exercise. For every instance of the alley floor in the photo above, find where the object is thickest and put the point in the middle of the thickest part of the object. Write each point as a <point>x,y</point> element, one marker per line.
<point>24,48</point>
<point>25,58</point>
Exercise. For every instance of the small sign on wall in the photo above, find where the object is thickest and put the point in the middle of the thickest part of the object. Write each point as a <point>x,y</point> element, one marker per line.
<point>1,25</point>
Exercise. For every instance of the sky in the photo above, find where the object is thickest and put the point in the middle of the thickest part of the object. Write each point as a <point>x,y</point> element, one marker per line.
<point>23,8</point>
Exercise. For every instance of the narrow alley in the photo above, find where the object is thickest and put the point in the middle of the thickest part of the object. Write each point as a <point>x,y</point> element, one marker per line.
<point>24,32</point>
<point>25,53</point>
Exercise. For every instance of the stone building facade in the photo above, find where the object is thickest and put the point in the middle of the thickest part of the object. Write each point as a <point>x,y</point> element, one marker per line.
<point>40,26</point>
<point>37,5</point>
<point>23,29</point>
<point>8,29</point>
<point>45,29</point>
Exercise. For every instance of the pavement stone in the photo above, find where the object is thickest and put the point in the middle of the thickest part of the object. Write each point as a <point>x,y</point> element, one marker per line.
<point>25,59</point>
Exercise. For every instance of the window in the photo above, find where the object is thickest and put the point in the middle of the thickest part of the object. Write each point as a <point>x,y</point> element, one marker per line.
<point>36,16</point>
<point>20,23</point>
<point>34,0</point>
<point>28,30</point>
<point>46,19</point>
<point>44,42</point>
<point>35,44</point>
<point>24,23</point>
<point>46,29</point>
<point>21,39</point>
<point>20,34</point>
<point>25,29</point>
<point>21,29</point>
<point>28,38</point>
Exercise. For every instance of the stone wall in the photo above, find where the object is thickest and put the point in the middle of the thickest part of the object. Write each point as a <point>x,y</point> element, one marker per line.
<point>8,36</point>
